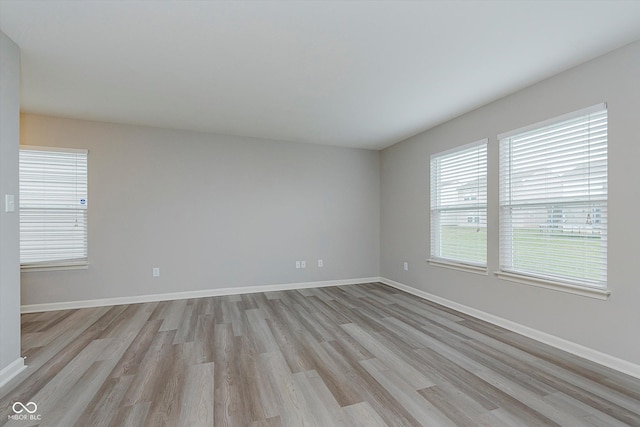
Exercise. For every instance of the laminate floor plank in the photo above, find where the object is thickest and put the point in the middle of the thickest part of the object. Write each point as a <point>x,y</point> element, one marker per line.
<point>79,396</point>
<point>406,394</point>
<point>322,408</point>
<point>446,370</point>
<point>349,355</point>
<point>247,358</point>
<point>132,416</point>
<point>132,358</point>
<point>229,402</point>
<point>296,356</point>
<point>333,374</point>
<point>321,306</point>
<point>198,396</point>
<point>173,315</point>
<point>416,378</point>
<point>365,385</point>
<point>356,350</point>
<point>105,403</point>
<point>363,415</point>
<point>259,330</point>
<point>449,406</point>
<point>308,315</point>
<point>512,368</point>
<point>149,374</point>
<point>235,316</point>
<point>167,400</point>
<point>187,326</point>
<point>293,406</point>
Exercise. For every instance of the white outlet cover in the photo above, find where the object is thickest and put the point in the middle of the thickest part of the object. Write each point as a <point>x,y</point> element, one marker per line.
<point>297,264</point>
<point>406,266</point>
<point>320,263</point>
<point>156,272</point>
<point>9,203</point>
<point>303,264</point>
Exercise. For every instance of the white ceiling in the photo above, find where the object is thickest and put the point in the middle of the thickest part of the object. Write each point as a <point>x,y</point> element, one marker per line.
<point>350,73</point>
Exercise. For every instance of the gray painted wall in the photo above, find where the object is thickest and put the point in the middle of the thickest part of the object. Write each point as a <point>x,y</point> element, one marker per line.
<point>608,326</point>
<point>9,222</point>
<point>211,211</point>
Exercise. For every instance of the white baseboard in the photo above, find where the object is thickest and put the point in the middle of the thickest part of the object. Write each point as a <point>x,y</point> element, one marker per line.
<point>607,360</point>
<point>70,305</point>
<point>11,370</point>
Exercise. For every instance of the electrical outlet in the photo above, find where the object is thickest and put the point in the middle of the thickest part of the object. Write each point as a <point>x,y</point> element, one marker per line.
<point>9,203</point>
<point>303,264</point>
<point>406,266</point>
<point>320,263</point>
<point>297,264</point>
<point>156,272</point>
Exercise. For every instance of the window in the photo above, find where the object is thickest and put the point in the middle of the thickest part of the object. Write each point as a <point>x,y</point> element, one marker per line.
<point>459,205</point>
<point>53,207</point>
<point>553,200</point>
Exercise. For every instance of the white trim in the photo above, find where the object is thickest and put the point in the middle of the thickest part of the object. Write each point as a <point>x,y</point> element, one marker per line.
<point>70,305</point>
<point>584,291</point>
<point>461,148</point>
<point>459,266</point>
<point>11,370</point>
<point>596,356</point>
<point>57,149</point>
<point>54,266</point>
<point>554,120</point>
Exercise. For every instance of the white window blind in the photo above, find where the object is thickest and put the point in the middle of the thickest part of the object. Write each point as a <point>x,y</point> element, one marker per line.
<point>553,199</point>
<point>53,207</point>
<point>459,205</point>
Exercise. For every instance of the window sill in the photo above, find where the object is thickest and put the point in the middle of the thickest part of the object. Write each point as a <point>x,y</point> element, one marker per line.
<point>80,265</point>
<point>584,291</point>
<point>458,266</point>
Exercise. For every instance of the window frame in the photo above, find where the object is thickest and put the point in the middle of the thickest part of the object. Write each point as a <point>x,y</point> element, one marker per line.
<point>437,259</point>
<point>62,264</point>
<point>566,284</point>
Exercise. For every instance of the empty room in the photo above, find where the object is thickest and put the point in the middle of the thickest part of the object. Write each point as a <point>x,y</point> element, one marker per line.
<point>319,213</point>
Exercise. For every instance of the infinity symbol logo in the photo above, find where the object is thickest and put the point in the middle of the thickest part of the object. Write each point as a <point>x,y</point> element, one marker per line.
<point>19,407</point>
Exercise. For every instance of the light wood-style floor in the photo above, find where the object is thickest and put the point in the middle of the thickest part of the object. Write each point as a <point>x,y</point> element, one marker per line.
<point>361,355</point>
